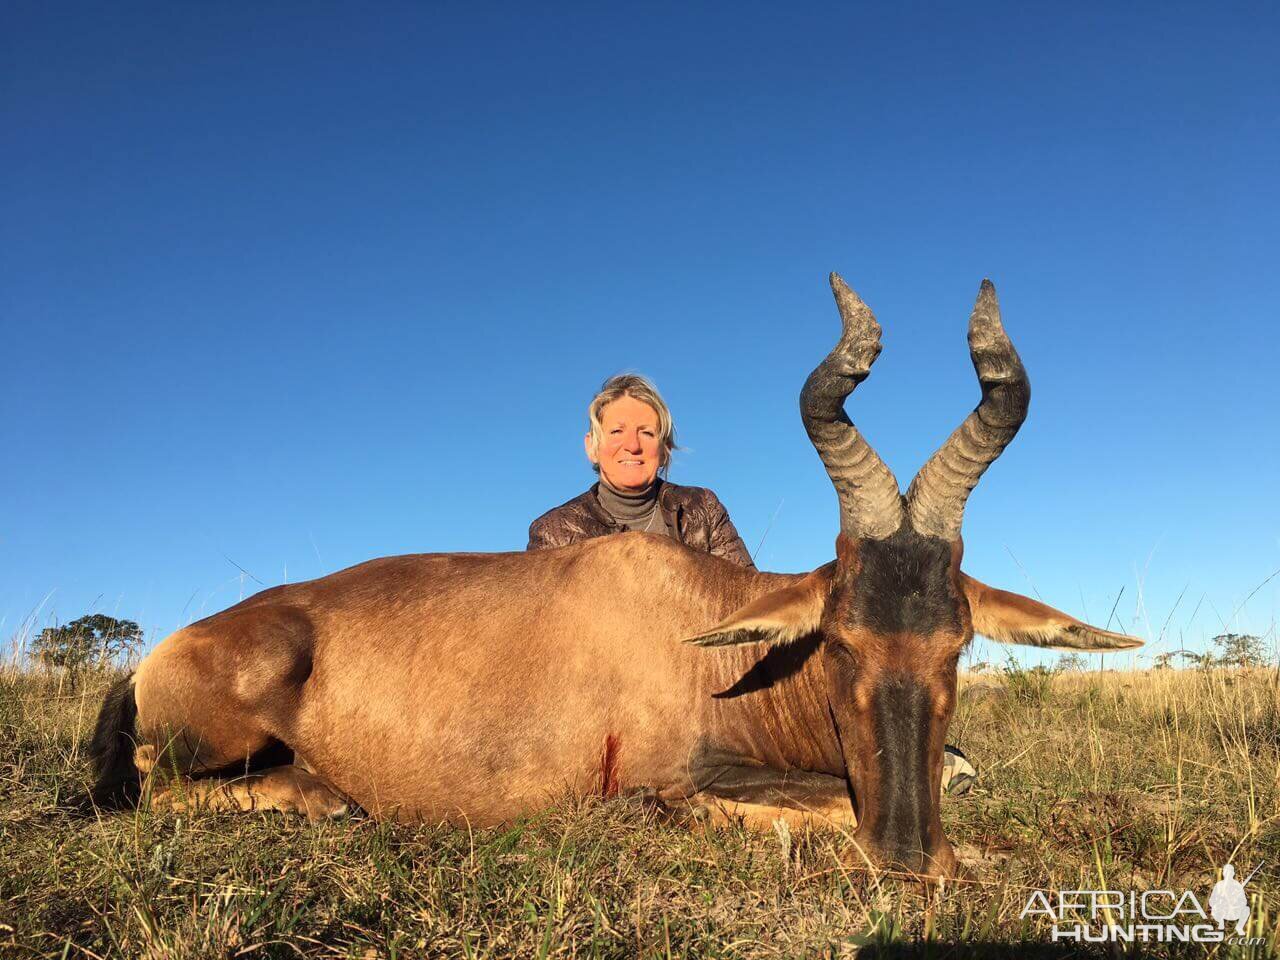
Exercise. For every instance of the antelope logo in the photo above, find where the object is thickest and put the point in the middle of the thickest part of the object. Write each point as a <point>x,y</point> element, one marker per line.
<point>1147,916</point>
<point>1228,901</point>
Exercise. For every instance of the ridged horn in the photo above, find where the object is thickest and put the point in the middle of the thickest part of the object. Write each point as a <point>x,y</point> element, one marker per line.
<point>870,504</point>
<point>936,498</point>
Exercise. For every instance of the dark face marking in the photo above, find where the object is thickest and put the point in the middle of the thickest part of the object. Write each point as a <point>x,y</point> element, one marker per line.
<point>901,722</point>
<point>907,583</point>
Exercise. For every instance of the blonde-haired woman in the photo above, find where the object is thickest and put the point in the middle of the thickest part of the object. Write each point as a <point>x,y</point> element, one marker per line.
<point>629,441</point>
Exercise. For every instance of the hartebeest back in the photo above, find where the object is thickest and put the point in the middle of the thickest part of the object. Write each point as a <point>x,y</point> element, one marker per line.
<point>479,686</point>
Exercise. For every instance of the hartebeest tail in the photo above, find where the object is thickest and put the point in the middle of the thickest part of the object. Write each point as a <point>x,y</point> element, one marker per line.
<point>116,780</point>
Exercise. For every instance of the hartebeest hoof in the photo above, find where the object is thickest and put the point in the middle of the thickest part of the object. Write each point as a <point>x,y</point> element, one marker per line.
<point>288,789</point>
<point>677,813</point>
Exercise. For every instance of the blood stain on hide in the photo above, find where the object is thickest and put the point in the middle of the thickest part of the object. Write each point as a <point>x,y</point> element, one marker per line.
<point>609,775</point>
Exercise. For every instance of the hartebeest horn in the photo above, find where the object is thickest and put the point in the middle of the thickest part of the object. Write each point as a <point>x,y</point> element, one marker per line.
<point>870,504</point>
<point>936,498</point>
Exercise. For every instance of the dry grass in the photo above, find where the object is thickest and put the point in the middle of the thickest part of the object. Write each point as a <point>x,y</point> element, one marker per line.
<point>1123,780</point>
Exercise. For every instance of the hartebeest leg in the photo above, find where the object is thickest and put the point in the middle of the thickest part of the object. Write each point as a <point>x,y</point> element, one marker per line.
<point>289,789</point>
<point>213,707</point>
<point>758,797</point>
<point>761,817</point>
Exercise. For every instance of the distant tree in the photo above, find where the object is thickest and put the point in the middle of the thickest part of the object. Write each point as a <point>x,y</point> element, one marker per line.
<point>1164,661</point>
<point>1239,650</point>
<point>90,640</point>
<point>1072,662</point>
<point>1202,660</point>
<point>1232,650</point>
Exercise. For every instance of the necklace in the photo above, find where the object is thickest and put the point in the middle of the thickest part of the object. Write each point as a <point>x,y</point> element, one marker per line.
<point>653,515</point>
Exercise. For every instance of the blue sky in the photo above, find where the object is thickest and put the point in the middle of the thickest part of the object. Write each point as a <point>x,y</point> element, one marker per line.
<point>287,288</point>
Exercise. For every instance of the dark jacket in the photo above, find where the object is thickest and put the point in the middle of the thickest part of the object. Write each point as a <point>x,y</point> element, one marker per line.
<point>694,515</point>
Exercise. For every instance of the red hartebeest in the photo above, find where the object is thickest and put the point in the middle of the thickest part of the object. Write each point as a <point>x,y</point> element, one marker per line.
<point>477,686</point>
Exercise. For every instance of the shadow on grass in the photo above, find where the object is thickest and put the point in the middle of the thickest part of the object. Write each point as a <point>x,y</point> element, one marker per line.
<point>946,951</point>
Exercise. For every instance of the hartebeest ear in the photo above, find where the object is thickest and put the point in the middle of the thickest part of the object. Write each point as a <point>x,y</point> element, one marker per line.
<point>780,616</point>
<point>1013,618</point>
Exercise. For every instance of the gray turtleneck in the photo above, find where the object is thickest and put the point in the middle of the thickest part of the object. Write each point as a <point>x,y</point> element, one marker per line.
<point>635,511</point>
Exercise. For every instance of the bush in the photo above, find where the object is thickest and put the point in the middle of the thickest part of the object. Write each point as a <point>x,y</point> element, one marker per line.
<point>1030,686</point>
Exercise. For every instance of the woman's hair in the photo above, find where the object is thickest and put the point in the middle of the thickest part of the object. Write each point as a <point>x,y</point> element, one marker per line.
<point>637,388</point>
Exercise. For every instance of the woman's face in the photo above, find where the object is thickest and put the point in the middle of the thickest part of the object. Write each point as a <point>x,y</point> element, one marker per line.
<point>629,453</point>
